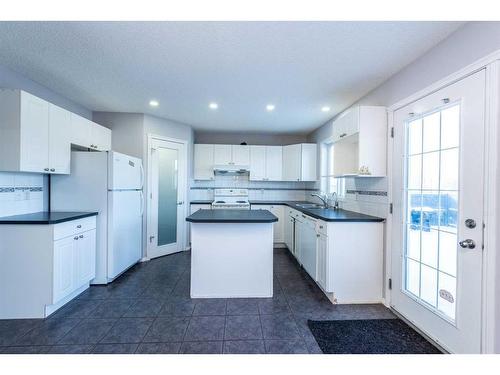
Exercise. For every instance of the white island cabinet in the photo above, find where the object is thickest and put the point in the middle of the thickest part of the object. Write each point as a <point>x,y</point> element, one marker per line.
<point>44,266</point>
<point>231,253</point>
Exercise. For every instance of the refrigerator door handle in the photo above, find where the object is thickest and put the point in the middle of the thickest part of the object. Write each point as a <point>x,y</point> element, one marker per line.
<point>142,175</point>
<point>142,203</point>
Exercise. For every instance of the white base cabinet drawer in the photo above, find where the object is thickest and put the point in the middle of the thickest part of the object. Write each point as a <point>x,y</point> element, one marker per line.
<point>72,227</point>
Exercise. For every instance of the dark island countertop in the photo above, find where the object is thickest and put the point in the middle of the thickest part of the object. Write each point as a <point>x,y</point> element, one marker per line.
<point>45,217</point>
<point>232,216</point>
<point>329,215</point>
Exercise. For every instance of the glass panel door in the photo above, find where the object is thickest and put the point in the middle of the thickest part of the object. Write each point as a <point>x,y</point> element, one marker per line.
<point>432,154</point>
<point>168,160</point>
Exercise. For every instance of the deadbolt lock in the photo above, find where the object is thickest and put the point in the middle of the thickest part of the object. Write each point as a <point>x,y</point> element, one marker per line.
<point>470,223</point>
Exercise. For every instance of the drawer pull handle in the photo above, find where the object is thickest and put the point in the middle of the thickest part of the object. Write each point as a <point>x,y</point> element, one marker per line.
<point>80,236</point>
<point>75,238</point>
<point>321,227</point>
<point>79,226</point>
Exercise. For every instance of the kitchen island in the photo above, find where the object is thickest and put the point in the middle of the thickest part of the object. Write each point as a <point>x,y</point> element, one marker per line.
<point>231,253</point>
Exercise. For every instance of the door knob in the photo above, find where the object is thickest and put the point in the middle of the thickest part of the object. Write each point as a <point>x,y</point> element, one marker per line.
<point>180,203</point>
<point>467,244</point>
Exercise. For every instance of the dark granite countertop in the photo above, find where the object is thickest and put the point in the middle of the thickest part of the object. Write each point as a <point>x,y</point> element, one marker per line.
<point>329,215</point>
<point>45,217</point>
<point>201,202</point>
<point>232,216</point>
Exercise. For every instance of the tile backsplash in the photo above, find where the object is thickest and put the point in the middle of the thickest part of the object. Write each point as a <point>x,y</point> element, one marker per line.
<point>367,196</point>
<point>21,193</point>
<point>258,190</point>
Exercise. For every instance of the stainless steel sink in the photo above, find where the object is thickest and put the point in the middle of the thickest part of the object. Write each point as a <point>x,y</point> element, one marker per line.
<point>309,205</point>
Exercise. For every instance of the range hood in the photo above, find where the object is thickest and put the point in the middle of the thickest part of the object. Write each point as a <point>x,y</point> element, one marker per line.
<point>234,170</point>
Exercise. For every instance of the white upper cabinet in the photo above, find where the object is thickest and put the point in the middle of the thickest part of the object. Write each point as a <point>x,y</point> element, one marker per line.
<point>231,155</point>
<point>241,154</point>
<point>299,162</point>
<point>59,145</point>
<point>34,127</point>
<point>258,163</point>
<point>266,163</point>
<point>203,162</point>
<point>88,134</point>
<point>223,155</point>
<point>100,137</point>
<point>36,136</point>
<point>33,134</point>
<point>360,141</point>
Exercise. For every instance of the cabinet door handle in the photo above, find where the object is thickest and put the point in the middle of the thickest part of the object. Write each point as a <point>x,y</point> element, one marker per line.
<point>75,238</point>
<point>80,236</point>
<point>46,169</point>
<point>342,135</point>
<point>321,227</point>
<point>79,226</point>
<point>52,169</point>
<point>317,235</point>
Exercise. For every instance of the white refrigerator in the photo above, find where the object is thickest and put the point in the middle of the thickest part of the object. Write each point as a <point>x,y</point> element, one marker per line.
<point>110,183</point>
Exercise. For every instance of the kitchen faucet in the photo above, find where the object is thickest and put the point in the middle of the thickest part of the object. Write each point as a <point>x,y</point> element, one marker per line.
<point>321,196</point>
<point>336,201</point>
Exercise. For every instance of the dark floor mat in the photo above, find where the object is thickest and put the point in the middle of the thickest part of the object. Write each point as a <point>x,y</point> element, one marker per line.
<point>374,336</point>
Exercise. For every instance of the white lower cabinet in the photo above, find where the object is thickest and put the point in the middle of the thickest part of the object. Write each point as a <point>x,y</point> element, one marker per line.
<point>279,226</point>
<point>344,258</point>
<point>195,207</point>
<point>44,266</point>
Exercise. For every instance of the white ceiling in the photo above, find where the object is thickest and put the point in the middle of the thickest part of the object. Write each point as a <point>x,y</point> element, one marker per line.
<point>297,66</point>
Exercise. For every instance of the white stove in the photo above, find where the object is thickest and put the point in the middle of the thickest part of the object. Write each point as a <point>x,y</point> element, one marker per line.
<point>231,199</point>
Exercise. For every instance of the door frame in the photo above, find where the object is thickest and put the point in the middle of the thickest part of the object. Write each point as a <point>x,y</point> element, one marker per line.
<point>152,137</point>
<point>491,63</point>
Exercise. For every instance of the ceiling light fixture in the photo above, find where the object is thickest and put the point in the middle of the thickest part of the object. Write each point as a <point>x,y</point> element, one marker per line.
<point>154,103</point>
<point>325,109</point>
<point>213,106</point>
<point>270,107</point>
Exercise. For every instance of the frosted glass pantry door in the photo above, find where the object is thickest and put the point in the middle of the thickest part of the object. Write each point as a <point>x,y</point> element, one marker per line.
<point>166,210</point>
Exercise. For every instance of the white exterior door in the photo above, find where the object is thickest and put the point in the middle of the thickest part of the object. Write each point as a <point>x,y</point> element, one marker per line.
<point>167,209</point>
<point>438,213</point>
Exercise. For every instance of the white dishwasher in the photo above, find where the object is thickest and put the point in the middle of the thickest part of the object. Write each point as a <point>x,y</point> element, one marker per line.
<point>308,245</point>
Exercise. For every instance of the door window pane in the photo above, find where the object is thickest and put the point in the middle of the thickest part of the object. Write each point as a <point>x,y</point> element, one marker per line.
<point>431,132</point>
<point>449,169</point>
<point>430,243</point>
<point>428,285</point>
<point>167,196</point>
<point>432,188</point>
<point>430,171</point>
<point>450,127</point>
<point>447,294</point>
<point>415,137</point>
<point>413,277</point>
<point>415,172</point>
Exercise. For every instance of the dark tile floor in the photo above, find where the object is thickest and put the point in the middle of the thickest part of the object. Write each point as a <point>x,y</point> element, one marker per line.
<point>148,310</point>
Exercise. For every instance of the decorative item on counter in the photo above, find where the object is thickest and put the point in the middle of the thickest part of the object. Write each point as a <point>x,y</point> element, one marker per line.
<point>363,170</point>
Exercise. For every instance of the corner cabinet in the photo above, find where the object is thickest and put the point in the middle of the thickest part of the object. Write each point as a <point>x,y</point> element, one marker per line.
<point>88,134</point>
<point>44,266</point>
<point>359,137</point>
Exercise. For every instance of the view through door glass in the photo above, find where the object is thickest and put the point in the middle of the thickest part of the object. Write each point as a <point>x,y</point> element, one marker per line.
<point>432,165</point>
<point>167,195</point>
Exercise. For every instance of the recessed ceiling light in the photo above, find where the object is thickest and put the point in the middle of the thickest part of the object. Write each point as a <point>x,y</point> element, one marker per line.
<point>213,105</point>
<point>154,103</point>
<point>325,108</point>
<point>270,107</point>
